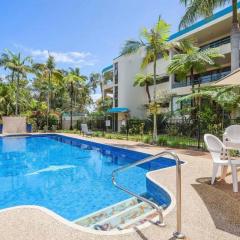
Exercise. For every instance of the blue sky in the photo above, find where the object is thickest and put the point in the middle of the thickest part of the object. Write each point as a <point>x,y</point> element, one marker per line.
<point>83,33</point>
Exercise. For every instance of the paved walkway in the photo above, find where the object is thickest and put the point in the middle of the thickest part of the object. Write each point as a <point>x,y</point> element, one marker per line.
<point>209,212</point>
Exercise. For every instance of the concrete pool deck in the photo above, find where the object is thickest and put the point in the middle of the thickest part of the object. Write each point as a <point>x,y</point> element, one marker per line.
<point>208,212</point>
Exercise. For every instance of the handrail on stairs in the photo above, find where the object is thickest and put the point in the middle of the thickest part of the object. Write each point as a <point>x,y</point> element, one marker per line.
<point>178,234</point>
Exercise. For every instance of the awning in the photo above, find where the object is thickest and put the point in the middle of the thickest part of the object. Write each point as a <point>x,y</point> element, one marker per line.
<point>118,110</point>
<point>231,79</point>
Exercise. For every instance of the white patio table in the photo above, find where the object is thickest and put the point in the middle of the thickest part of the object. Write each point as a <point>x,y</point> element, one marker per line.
<point>231,146</point>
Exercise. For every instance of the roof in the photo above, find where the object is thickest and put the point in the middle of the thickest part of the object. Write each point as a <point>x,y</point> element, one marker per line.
<point>231,79</point>
<point>203,22</point>
<point>110,67</point>
<point>199,24</point>
<point>117,110</point>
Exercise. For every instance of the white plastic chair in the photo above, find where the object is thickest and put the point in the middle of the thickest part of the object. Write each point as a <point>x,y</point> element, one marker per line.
<point>84,128</point>
<point>221,158</point>
<point>231,136</point>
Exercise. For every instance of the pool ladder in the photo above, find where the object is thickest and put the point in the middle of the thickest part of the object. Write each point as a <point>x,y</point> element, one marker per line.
<point>178,234</point>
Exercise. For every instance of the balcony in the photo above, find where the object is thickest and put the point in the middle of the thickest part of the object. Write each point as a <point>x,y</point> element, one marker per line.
<point>207,77</point>
<point>217,43</point>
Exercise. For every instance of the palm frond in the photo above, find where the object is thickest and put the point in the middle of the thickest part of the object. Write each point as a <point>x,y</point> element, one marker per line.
<point>199,8</point>
<point>131,46</point>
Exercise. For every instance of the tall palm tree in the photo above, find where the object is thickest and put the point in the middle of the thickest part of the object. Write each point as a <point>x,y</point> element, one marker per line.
<point>95,81</point>
<point>154,43</point>
<point>142,80</point>
<point>47,73</point>
<point>19,67</point>
<point>190,60</point>
<point>74,80</point>
<point>205,8</point>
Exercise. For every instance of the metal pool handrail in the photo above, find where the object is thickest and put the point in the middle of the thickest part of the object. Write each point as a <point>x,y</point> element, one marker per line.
<point>178,234</point>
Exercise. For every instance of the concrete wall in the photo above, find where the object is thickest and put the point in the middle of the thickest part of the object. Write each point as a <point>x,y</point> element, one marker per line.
<point>129,96</point>
<point>14,125</point>
<point>66,121</point>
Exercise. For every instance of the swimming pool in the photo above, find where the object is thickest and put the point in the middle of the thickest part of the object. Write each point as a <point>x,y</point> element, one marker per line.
<point>72,177</point>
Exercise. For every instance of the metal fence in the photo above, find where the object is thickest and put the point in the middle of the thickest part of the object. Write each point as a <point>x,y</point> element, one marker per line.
<point>181,132</point>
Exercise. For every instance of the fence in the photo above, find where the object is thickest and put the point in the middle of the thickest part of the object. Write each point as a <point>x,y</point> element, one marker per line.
<point>181,132</point>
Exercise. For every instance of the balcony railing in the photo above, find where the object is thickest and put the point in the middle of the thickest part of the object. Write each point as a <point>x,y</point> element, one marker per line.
<point>217,43</point>
<point>204,78</point>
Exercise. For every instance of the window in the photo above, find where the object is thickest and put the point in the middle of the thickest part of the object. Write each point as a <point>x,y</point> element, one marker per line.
<point>116,73</point>
<point>116,96</point>
<point>162,80</point>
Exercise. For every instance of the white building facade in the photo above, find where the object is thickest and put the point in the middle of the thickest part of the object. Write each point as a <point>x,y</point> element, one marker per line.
<point>212,32</point>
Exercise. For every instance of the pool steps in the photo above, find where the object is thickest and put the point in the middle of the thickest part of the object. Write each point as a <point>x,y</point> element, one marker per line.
<point>123,215</point>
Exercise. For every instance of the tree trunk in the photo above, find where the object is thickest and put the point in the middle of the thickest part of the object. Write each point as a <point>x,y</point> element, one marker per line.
<point>17,94</point>
<point>192,79</point>
<point>12,77</point>
<point>48,100</point>
<point>148,93</point>
<point>154,101</point>
<point>71,106</point>
<point>199,123</point>
<point>235,37</point>
<point>101,88</point>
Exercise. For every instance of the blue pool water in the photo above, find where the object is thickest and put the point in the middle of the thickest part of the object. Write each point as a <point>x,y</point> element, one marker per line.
<point>71,177</point>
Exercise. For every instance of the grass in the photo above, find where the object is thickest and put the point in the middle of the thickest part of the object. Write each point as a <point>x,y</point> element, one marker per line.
<point>163,139</point>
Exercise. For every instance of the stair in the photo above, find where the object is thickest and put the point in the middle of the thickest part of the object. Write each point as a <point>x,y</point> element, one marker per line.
<point>122,215</point>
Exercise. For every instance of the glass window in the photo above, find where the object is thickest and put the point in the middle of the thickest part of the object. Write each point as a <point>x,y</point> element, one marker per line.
<point>116,73</point>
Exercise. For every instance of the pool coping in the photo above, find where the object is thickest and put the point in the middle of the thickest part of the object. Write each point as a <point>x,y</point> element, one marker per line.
<point>86,229</point>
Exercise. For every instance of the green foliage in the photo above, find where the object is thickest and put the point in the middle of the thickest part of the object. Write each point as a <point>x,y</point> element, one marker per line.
<point>53,119</point>
<point>19,68</point>
<point>136,126</point>
<point>49,94</point>
<point>155,43</point>
<point>199,8</point>
<point>191,58</point>
<point>162,141</point>
<point>147,139</point>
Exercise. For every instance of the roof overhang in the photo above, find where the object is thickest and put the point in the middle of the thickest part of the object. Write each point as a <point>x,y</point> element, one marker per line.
<point>118,110</point>
<point>231,79</point>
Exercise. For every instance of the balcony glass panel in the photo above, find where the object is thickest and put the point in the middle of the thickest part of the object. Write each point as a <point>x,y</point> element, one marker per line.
<point>217,43</point>
<point>207,77</point>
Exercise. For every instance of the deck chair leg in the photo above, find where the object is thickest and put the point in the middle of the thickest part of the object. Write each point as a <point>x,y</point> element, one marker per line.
<point>234,179</point>
<point>214,173</point>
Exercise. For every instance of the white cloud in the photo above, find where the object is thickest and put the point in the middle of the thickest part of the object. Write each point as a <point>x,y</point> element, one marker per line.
<point>74,58</point>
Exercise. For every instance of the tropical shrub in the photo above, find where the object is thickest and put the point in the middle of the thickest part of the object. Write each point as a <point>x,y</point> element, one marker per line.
<point>162,141</point>
<point>147,139</point>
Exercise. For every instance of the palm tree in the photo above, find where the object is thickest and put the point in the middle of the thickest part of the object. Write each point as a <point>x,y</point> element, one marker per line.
<point>142,80</point>
<point>74,80</point>
<point>154,43</point>
<point>205,8</point>
<point>19,67</point>
<point>46,73</point>
<point>95,81</point>
<point>6,99</point>
<point>191,59</point>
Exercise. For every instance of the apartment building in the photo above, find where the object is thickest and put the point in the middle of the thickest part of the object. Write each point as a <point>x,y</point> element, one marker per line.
<point>127,99</point>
